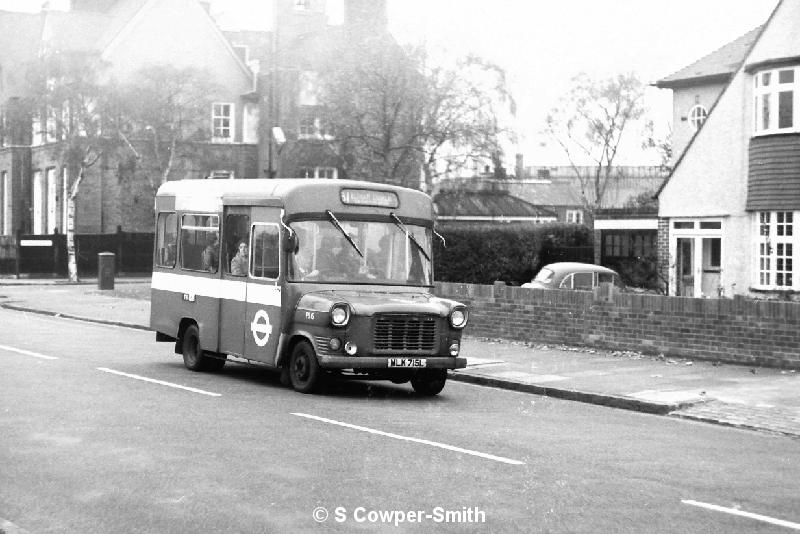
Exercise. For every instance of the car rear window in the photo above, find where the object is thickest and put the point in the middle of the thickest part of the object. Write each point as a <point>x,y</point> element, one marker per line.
<point>545,276</point>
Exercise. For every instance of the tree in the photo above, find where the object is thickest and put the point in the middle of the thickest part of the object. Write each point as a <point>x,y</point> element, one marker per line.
<point>589,124</point>
<point>163,117</point>
<point>68,106</point>
<point>393,115</point>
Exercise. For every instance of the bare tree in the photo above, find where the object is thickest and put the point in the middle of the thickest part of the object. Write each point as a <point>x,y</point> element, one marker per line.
<point>463,116</point>
<point>395,117</point>
<point>589,125</point>
<point>163,117</point>
<point>68,104</point>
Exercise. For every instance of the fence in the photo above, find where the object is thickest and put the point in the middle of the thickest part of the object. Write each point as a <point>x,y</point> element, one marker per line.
<point>47,254</point>
<point>727,330</point>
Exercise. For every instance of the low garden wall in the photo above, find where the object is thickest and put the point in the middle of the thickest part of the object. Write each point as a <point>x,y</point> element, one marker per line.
<point>735,330</point>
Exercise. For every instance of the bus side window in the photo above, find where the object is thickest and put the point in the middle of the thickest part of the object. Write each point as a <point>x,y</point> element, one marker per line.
<point>166,239</point>
<point>200,242</point>
<point>264,254</point>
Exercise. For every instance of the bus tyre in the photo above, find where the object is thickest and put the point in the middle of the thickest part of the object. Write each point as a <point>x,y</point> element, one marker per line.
<point>304,371</point>
<point>429,383</point>
<point>193,357</point>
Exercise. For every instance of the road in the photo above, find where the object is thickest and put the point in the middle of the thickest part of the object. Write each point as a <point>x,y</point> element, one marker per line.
<point>103,430</point>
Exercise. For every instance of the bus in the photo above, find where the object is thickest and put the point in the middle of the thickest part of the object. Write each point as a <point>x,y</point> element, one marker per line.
<point>310,277</point>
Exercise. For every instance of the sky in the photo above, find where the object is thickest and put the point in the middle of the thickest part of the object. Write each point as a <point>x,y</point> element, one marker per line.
<point>543,44</point>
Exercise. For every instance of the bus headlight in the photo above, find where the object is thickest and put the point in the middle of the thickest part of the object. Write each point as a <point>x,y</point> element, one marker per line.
<point>340,315</point>
<point>458,318</point>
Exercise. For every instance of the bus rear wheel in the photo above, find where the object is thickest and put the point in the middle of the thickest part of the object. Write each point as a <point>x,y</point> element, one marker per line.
<point>429,383</point>
<point>193,357</point>
<point>304,371</point>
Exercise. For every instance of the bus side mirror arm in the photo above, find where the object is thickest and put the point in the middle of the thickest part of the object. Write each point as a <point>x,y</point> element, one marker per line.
<point>440,236</point>
<point>292,242</point>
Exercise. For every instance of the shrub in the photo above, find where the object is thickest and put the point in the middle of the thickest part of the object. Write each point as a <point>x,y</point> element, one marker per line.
<point>514,253</point>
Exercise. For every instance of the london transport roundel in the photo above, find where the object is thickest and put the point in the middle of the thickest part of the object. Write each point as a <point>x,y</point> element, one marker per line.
<point>261,328</point>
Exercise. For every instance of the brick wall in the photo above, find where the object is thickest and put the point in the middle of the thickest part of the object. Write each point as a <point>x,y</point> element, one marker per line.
<point>728,330</point>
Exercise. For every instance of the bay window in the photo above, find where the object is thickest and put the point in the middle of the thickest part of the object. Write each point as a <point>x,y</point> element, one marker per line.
<point>775,250</point>
<point>776,108</point>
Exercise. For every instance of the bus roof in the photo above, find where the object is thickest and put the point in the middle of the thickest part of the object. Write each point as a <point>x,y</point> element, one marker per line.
<point>295,195</point>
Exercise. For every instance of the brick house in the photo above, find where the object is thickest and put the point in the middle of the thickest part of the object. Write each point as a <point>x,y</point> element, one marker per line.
<point>291,57</point>
<point>727,211</point>
<point>129,34</point>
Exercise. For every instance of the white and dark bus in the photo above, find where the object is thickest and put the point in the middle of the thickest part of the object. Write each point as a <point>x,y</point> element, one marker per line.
<point>309,277</point>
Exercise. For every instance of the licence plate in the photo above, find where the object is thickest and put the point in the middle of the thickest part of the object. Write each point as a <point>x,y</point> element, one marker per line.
<point>408,362</point>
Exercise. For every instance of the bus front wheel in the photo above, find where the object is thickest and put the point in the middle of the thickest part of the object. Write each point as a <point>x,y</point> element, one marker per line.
<point>193,357</point>
<point>304,371</point>
<point>429,383</point>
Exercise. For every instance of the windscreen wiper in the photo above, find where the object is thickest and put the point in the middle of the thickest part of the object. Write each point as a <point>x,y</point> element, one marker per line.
<point>335,222</point>
<point>409,235</point>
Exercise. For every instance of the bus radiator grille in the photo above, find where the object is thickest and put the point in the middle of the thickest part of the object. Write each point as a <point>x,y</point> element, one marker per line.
<point>405,333</point>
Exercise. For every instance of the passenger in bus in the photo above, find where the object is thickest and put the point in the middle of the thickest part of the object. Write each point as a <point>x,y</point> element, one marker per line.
<point>210,257</point>
<point>239,261</point>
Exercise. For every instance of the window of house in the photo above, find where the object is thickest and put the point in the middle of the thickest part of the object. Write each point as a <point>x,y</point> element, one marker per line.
<point>37,131</point>
<point>222,122</point>
<point>166,239</point>
<point>221,175</point>
<point>301,5</point>
<point>776,246</point>
<point>616,245</point>
<point>265,254</point>
<point>318,172</point>
<point>775,92</point>
<point>575,216</point>
<point>307,128</point>
<point>200,242</point>
<point>697,116</point>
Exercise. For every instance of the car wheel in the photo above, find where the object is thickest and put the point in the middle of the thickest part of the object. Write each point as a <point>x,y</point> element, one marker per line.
<point>429,383</point>
<point>304,371</point>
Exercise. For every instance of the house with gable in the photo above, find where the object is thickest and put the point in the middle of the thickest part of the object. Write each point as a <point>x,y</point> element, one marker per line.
<point>128,35</point>
<point>301,45</point>
<point>727,212</point>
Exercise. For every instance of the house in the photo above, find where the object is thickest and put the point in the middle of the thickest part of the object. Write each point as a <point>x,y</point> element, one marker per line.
<point>300,142</point>
<point>483,200</point>
<point>626,223</point>
<point>727,211</point>
<point>128,34</point>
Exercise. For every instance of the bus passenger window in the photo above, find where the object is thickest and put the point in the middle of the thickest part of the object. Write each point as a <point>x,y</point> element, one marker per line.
<point>264,258</point>
<point>200,243</point>
<point>166,239</point>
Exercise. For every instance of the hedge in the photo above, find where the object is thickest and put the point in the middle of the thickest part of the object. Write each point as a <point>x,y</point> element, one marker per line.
<point>513,253</point>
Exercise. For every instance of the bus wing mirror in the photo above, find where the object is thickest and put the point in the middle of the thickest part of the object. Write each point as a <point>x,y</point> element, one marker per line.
<point>292,242</point>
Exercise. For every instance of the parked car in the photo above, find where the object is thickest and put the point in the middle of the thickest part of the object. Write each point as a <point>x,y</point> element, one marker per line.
<point>572,275</point>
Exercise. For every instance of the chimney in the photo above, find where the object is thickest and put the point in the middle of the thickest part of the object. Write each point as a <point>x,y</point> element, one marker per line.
<point>519,167</point>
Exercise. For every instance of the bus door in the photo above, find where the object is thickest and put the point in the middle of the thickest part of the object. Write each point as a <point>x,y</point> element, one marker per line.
<point>234,264</point>
<point>263,308</point>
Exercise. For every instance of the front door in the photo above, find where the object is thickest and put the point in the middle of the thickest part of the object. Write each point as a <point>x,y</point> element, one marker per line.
<point>685,267</point>
<point>263,307</point>
<point>233,263</point>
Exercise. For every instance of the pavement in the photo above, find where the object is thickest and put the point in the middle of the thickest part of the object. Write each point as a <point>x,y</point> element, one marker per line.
<point>759,399</point>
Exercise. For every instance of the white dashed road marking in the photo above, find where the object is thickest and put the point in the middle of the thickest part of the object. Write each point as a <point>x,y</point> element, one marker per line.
<point>28,353</point>
<point>734,511</point>
<point>415,440</point>
<point>159,382</point>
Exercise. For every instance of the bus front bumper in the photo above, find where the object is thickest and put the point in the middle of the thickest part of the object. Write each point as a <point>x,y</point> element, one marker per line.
<point>391,362</point>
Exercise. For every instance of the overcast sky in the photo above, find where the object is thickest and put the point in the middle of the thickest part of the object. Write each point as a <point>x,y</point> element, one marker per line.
<point>542,44</point>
